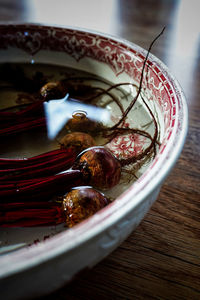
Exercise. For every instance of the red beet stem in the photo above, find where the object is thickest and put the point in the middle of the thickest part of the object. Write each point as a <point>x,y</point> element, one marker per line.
<point>61,160</point>
<point>39,170</point>
<point>20,162</point>
<point>29,118</point>
<point>42,188</point>
<point>23,126</point>
<point>29,110</point>
<point>10,206</point>
<point>30,214</point>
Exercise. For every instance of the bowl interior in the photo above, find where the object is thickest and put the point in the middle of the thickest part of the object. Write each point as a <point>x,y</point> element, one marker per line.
<point>115,61</point>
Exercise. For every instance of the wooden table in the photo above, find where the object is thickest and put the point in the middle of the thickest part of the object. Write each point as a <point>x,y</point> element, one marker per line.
<point>161,259</point>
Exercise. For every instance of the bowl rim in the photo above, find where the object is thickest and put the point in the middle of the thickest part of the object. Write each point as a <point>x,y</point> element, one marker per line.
<point>28,257</point>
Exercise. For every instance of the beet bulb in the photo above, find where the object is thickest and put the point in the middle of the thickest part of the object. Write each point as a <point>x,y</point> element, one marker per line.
<point>81,203</point>
<point>99,167</point>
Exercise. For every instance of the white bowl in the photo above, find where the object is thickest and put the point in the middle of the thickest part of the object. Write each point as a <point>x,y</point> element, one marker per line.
<point>42,267</point>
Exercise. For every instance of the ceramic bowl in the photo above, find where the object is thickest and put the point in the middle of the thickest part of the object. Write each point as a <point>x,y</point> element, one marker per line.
<point>30,263</point>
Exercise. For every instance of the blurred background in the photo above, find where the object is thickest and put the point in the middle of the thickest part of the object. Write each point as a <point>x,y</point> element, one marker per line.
<point>138,21</point>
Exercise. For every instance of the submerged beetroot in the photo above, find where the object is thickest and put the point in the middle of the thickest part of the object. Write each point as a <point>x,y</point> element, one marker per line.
<point>99,167</point>
<point>81,203</point>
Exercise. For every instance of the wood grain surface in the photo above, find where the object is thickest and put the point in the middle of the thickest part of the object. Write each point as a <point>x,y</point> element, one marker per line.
<point>161,258</point>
